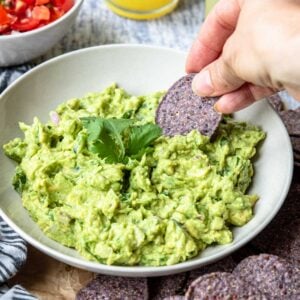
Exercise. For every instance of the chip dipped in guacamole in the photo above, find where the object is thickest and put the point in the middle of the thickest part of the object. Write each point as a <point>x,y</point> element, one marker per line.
<point>101,178</point>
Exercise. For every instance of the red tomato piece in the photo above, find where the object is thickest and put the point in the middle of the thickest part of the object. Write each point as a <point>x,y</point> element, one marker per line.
<point>25,24</point>
<point>4,29</point>
<point>55,14</point>
<point>29,2</point>
<point>12,19</point>
<point>20,7</point>
<point>4,19</point>
<point>41,13</point>
<point>41,2</point>
<point>65,5</point>
<point>58,3</point>
<point>25,15</point>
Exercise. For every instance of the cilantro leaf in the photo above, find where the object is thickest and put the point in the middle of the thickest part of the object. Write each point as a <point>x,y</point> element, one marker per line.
<point>141,137</point>
<point>93,127</point>
<point>114,139</point>
<point>118,125</point>
<point>115,127</point>
<point>104,137</point>
<point>107,147</point>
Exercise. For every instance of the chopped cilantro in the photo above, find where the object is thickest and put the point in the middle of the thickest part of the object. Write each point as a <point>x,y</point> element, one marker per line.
<point>117,139</point>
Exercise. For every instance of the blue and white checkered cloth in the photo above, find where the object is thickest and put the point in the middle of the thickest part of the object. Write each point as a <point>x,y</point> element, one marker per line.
<point>13,253</point>
<point>13,249</point>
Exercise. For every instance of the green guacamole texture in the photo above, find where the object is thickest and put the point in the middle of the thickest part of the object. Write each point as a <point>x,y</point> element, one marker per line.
<point>184,194</point>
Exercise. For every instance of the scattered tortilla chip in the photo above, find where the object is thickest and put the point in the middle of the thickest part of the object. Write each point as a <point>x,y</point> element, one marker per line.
<point>295,248</point>
<point>221,285</point>
<point>291,119</point>
<point>296,143</point>
<point>270,275</point>
<point>114,288</point>
<point>276,101</point>
<point>296,149</point>
<point>182,111</point>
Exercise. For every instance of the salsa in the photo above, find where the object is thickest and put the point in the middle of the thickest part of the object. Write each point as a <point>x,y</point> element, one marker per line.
<point>26,15</point>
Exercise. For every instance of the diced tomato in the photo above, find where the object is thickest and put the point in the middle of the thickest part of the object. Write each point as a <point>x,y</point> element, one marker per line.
<point>25,24</point>
<point>29,2</point>
<point>41,12</point>
<point>20,7</point>
<point>4,19</point>
<point>41,2</point>
<point>4,29</point>
<point>25,15</point>
<point>58,3</point>
<point>68,5</point>
<point>12,18</point>
<point>55,13</point>
<point>65,5</point>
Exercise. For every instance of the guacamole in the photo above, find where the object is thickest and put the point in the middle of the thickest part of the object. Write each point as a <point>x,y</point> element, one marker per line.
<point>182,195</point>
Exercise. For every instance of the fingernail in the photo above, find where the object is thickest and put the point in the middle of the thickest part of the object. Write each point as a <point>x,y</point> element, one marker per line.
<point>202,84</point>
<point>216,108</point>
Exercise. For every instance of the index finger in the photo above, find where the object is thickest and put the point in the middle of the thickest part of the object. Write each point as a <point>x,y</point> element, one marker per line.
<point>218,26</point>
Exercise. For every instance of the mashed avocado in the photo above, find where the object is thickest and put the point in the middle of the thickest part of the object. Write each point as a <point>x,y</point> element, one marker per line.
<point>183,194</point>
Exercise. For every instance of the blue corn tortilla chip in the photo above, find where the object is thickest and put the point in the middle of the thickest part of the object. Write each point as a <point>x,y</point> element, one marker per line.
<point>276,101</point>
<point>291,119</point>
<point>270,275</point>
<point>182,111</point>
<point>221,285</point>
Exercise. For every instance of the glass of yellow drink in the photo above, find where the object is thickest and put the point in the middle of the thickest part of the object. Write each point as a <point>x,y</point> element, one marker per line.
<point>141,9</point>
<point>209,4</point>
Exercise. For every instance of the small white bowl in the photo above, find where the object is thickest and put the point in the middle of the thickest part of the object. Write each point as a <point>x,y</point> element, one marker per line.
<point>140,70</point>
<point>19,48</point>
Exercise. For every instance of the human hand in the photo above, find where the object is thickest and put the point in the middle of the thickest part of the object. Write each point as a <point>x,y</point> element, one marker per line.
<point>246,50</point>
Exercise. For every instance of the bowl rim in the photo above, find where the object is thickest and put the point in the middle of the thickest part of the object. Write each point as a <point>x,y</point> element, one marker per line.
<point>76,5</point>
<point>143,271</point>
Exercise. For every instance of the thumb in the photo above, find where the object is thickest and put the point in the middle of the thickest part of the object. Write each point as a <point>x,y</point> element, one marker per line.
<point>216,79</point>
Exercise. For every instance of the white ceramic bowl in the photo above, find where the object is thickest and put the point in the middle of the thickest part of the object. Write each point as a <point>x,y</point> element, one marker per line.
<point>19,48</point>
<point>140,70</point>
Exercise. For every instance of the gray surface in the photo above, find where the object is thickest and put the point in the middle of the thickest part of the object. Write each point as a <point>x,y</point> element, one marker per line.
<point>97,25</point>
